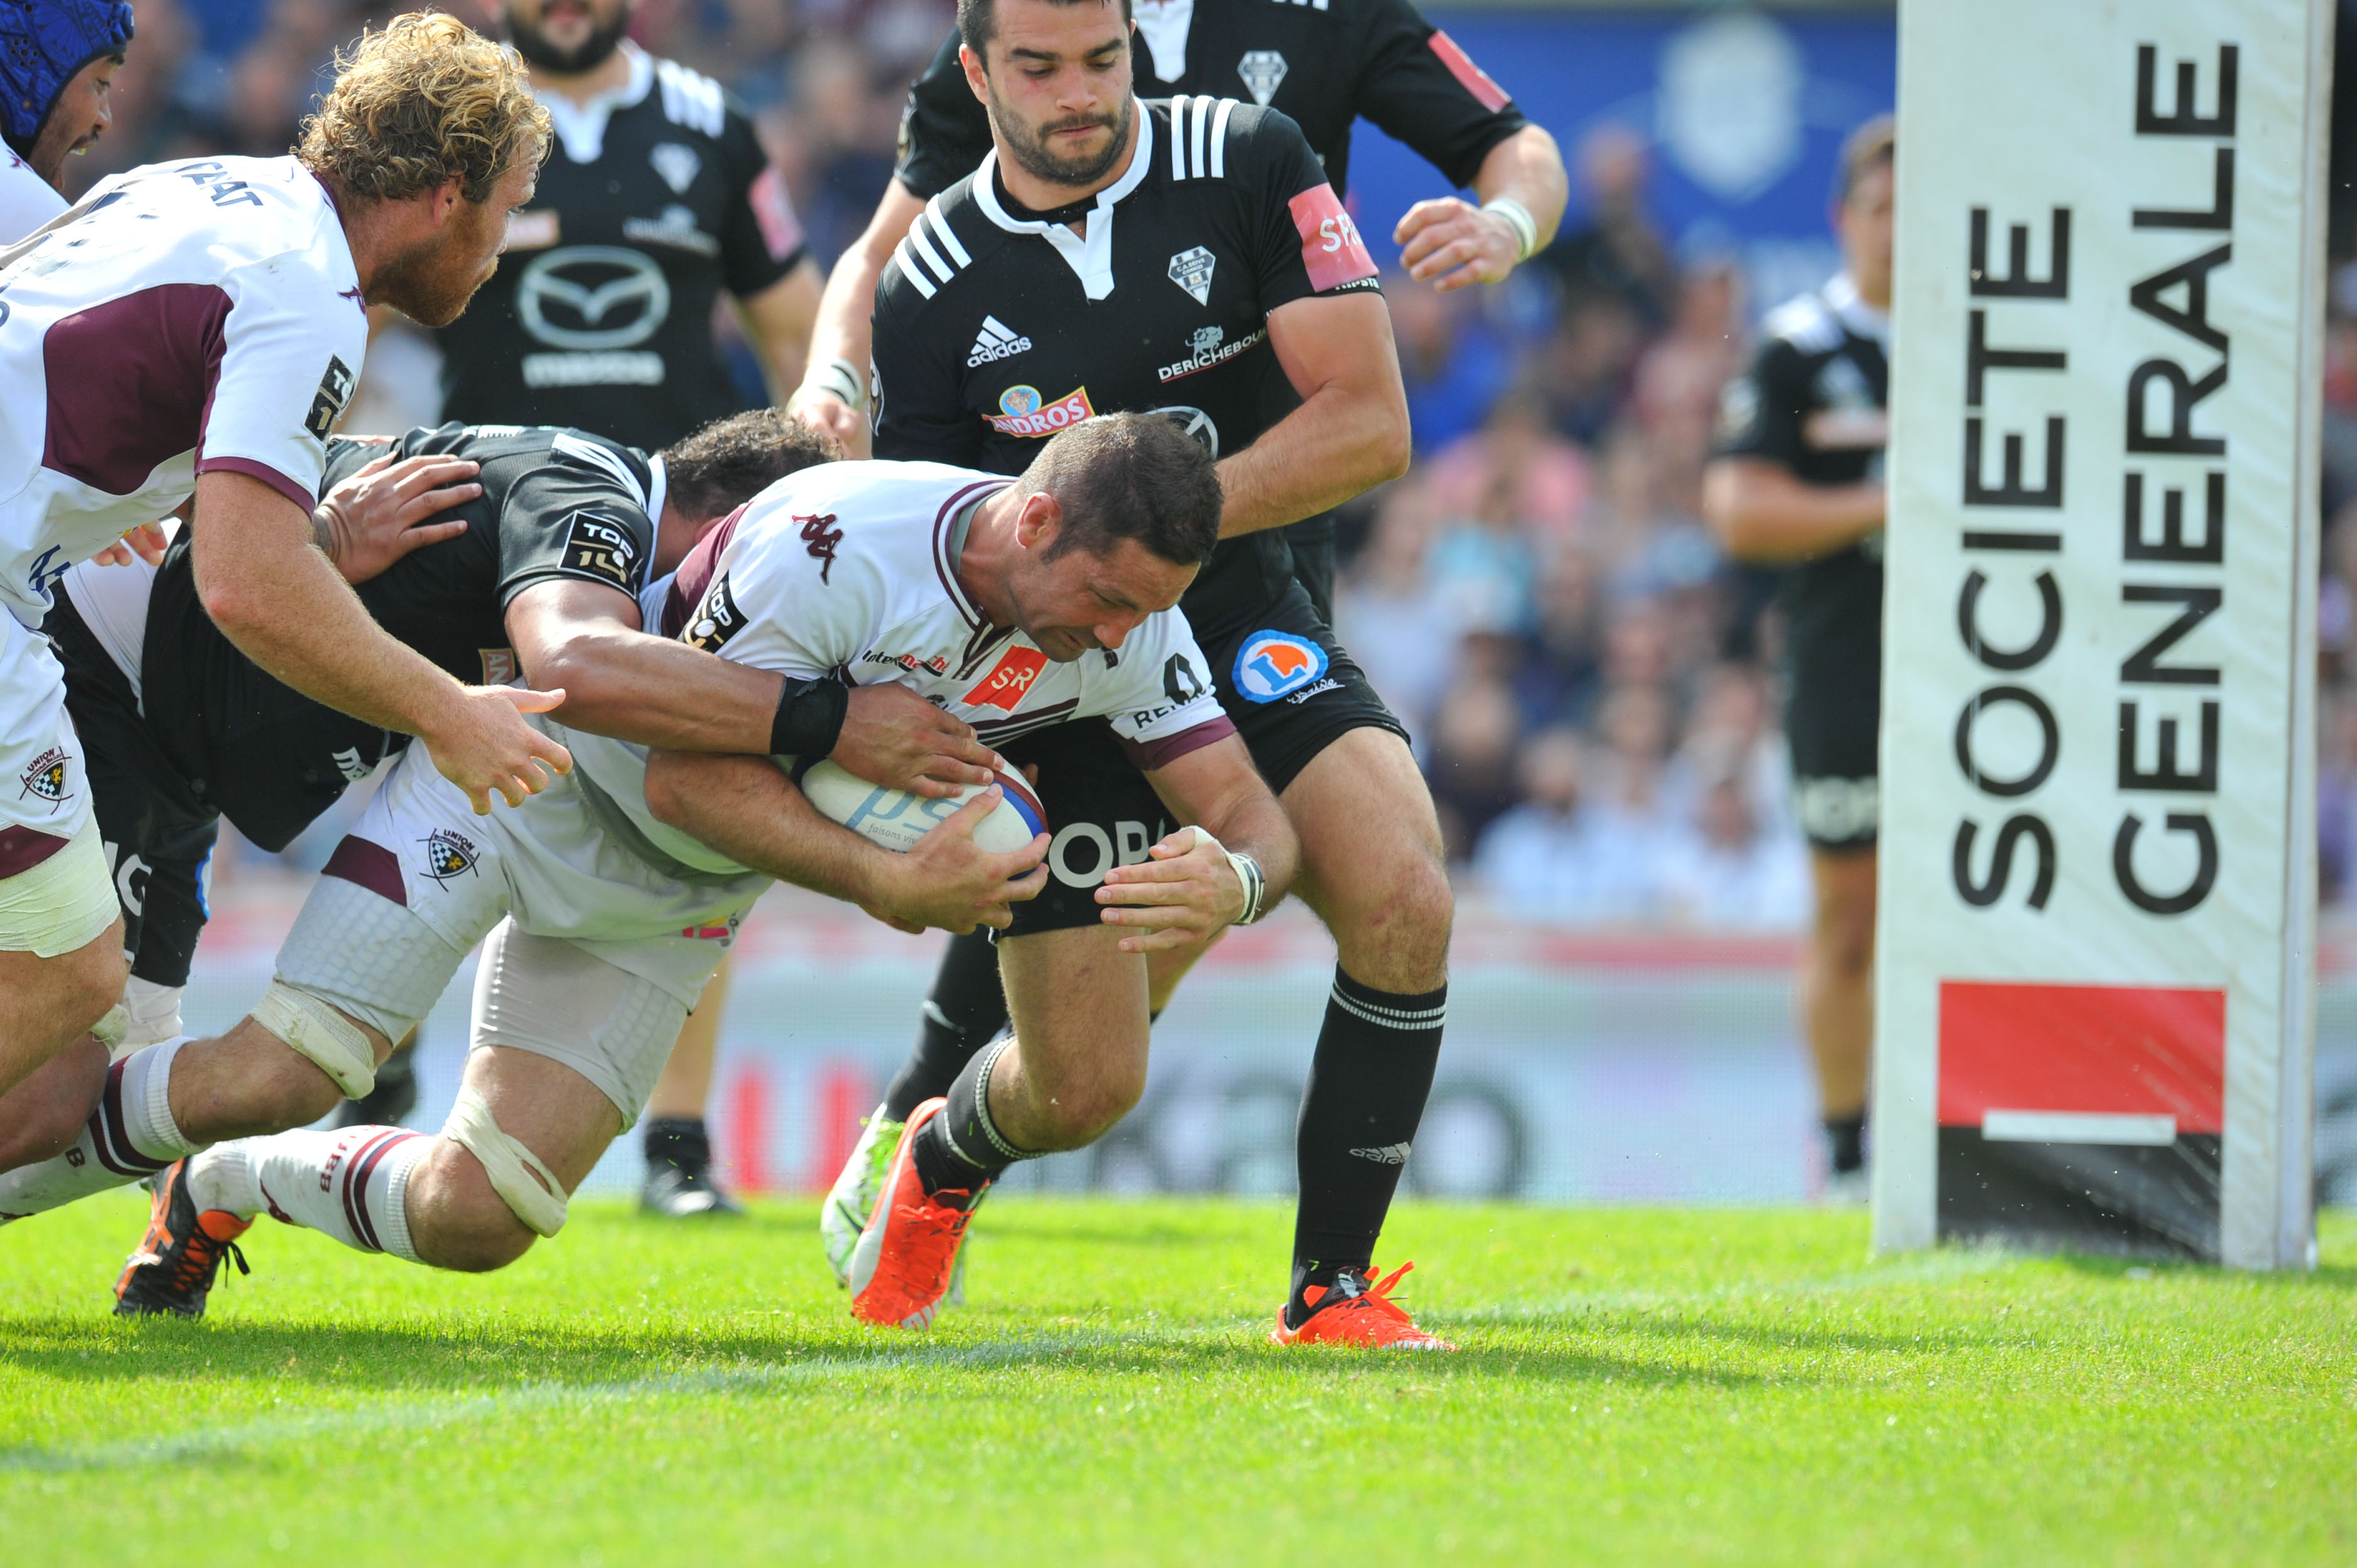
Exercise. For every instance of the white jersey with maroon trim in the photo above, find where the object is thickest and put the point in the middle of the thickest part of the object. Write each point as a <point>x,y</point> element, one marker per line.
<point>186,318</point>
<point>26,200</point>
<point>847,568</point>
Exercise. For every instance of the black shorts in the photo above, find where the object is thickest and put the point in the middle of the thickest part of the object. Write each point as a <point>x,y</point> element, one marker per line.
<point>1290,689</point>
<point>1312,543</point>
<point>1833,727</point>
<point>158,834</point>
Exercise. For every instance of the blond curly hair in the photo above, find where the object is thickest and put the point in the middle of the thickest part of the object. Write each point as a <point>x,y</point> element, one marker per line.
<point>427,100</point>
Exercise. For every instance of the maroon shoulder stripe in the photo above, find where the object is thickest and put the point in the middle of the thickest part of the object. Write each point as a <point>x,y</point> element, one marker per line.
<point>693,579</point>
<point>372,865</point>
<point>1150,755</point>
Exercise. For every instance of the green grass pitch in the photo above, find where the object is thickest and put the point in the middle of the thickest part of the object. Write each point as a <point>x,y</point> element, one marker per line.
<point>1636,1385</point>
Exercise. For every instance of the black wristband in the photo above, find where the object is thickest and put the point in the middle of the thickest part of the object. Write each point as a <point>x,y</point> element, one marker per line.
<point>810,718</point>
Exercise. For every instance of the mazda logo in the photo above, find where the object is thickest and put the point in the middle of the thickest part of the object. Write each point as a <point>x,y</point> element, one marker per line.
<point>1196,424</point>
<point>592,296</point>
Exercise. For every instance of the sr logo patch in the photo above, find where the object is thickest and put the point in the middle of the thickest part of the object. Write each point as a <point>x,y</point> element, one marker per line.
<point>1003,687</point>
<point>327,403</point>
<point>716,621</point>
<point>602,549</point>
<point>449,854</point>
<point>1273,664</point>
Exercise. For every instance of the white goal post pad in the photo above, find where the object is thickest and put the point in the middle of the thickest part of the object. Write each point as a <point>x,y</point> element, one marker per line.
<point>2095,963</point>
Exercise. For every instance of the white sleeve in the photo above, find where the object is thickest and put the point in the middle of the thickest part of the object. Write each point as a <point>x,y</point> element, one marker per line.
<point>1158,695</point>
<point>290,356</point>
<point>769,606</point>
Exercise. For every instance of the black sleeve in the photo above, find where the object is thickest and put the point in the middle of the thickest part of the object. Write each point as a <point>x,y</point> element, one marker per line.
<point>564,521</point>
<point>761,237</point>
<point>1303,243</point>
<point>1417,85</point>
<point>1760,412</point>
<point>944,130</point>
<point>919,416</point>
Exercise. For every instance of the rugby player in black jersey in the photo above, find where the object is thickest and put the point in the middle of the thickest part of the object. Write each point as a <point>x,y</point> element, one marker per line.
<point>1325,64</point>
<point>656,196</point>
<point>1189,258</point>
<point>1798,482</point>
<point>527,549</point>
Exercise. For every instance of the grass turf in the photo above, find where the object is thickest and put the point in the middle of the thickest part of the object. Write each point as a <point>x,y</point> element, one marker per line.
<point>1636,1385</point>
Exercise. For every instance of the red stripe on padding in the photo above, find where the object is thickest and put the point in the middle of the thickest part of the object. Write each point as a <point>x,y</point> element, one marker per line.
<point>2117,1049</point>
<point>372,865</point>
<point>23,848</point>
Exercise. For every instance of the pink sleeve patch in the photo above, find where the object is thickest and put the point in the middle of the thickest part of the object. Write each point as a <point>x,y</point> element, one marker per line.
<point>774,210</point>
<point>1330,246</point>
<point>1470,77</point>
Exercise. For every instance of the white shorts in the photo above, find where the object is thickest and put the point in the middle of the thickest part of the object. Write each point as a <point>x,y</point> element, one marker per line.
<point>551,998</point>
<point>44,787</point>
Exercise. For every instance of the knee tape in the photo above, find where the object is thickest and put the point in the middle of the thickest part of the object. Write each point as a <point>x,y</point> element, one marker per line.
<point>518,1175</point>
<point>314,1030</point>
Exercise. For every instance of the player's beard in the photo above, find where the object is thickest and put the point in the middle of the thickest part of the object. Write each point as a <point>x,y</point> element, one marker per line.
<point>431,282</point>
<point>604,38</point>
<point>1031,148</point>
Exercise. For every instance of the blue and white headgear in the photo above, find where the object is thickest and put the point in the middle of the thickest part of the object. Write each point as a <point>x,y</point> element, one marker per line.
<point>43,43</point>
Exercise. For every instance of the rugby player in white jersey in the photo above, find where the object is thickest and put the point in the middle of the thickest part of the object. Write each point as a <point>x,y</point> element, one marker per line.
<point>1009,603</point>
<point>195,328</point>
<point>58,60</point>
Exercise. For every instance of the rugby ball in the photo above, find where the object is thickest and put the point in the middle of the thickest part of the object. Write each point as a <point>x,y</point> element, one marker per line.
<point>896,820</point>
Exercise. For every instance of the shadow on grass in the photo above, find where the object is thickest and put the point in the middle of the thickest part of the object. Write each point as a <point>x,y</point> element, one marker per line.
<point>2336,1277</point>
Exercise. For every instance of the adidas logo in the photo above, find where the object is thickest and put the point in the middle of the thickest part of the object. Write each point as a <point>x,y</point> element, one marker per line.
<point>1389,1155</point>
<point>997,340</point>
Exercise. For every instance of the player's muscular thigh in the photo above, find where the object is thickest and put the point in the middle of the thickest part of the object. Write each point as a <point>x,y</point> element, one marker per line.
<point>1079,1006</point>
<point>1371,862</point>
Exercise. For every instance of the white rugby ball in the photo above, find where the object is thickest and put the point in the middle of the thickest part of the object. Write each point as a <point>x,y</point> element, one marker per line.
<point>896,820</point>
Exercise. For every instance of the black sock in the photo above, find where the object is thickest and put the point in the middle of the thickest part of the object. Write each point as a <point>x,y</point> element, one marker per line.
<point>1845,1142</point>
<point>961,1150</point>
<point>965,1012</point>
<point>679,1141</point>
<point>1368,1084</point>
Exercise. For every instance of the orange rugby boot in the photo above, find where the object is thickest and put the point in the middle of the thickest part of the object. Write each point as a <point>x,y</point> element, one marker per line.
<point>1355,1311</point>
<point>175,1267</point>
<point>902,1265</point>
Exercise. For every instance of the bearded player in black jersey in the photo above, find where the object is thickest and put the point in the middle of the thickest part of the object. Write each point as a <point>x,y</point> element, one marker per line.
<point>1189,258</point>
<point>1799,483</point>
<point>1325,64</point>
<point>496,552</point>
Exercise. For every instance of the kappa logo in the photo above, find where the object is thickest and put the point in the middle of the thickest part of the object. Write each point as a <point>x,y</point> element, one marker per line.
<point>1262,70</point>
<point>820,534</point>
<point>603,549</point>
<point>997,340</point>
<point>449,854</point>
<point>1192,270</point>
<point>678,165</point>
<point>1273,664</point>
<point>45,778</point>
<point>717,621</point>
<point>1004,687</point>
<point>329,402</point>
<point>1023,414</point>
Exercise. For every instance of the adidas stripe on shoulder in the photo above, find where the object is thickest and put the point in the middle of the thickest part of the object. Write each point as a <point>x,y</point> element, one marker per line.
<point>691,99</point>
<point>932,253</point>
<point>1199,136</point>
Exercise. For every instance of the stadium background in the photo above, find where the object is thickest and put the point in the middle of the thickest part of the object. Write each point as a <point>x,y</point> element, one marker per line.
<point>1592,683</point>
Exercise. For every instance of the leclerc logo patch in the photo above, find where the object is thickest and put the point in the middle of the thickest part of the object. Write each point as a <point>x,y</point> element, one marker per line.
<point>1003,687</point>
<point>1023,414</point>
<point>1273,664</point>
<point>1331,247</point>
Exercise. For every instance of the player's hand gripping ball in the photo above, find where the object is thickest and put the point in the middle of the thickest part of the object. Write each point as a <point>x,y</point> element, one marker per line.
<point>896,820</point>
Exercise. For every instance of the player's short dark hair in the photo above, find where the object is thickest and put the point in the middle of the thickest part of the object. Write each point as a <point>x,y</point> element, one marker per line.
<point>719,467</point>
<point>1131,476</point>
<point>977,20</point>
<point>1872,146</point>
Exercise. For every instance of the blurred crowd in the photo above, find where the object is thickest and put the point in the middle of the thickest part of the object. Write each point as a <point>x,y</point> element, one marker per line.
<point>1590,681</point>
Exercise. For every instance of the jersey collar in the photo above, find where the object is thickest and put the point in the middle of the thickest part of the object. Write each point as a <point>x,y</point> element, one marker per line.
<point>658,490</point>
<point>1089,259</point>
<point>1844,300</point>
<point>581,126</point>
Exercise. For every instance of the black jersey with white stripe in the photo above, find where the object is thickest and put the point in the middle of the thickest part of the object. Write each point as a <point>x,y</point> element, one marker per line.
<point>1812,402</point>
<point>1323,62</point>
<point>996,327</point>
<point>555,504</point>
<point>653,200</point>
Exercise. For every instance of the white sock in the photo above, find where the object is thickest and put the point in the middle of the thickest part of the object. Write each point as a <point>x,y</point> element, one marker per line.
<point>352,1184</point>
<point>130,1135</point>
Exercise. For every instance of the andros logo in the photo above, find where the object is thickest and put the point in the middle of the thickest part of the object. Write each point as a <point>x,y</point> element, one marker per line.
<point>1273,664</point>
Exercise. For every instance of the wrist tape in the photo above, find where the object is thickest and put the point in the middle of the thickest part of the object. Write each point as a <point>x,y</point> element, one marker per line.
<point>1248,872</point>
<point>1517,217</point>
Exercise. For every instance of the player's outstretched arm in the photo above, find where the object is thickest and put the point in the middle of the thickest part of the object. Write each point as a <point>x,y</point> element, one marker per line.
<point>1761,512</point>
<point>834,392</point>
<point>1450,242</point>
<point>779,320</point>
<point>749,810</point>
<point>1189,887</point>
<point>1351,432</point>
<point>277,598</point>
